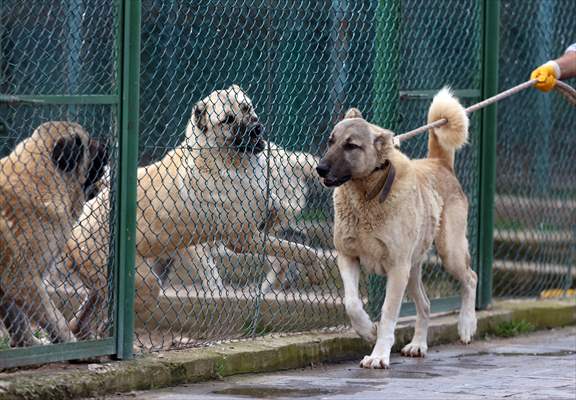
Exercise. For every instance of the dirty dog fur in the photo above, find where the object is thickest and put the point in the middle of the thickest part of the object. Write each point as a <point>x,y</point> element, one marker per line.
<point>44,184</point>
<point>388,230</point>
<point>208,189</point>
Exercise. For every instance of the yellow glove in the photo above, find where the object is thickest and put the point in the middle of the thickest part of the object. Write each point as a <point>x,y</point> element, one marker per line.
<point>546,74</point>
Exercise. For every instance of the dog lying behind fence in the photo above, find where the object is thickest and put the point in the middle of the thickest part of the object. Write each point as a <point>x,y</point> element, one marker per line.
<point>288,172</point>
<point>388,211</point>
<point>210,188</point>
<point>44,184</point>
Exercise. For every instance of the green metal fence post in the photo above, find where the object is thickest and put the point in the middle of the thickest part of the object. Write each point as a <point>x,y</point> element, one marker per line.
<point>128,164</point>
<point>385,97</point>
<point>490,52</point>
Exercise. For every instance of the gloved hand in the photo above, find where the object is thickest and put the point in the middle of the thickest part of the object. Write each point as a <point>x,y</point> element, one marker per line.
<point>546,74</point>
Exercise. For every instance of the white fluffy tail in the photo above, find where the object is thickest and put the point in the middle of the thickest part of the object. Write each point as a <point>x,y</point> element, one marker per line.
<point>444,141</point>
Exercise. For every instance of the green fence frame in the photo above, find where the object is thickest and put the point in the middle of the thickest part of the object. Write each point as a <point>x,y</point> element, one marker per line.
<point>120,344</point>
<point>128,165</point>
<point>487,168</point>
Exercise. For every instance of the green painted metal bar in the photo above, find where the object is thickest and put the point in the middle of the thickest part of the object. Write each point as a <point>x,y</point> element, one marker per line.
<point>490,27</point>
<point>59,99</point>
<point>385,101</point>
<point>55,352</point>
<point>128,165</point>
<point>428,94</point>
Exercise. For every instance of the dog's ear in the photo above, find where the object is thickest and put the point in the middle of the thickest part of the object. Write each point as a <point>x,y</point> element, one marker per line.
<point>382,137</point>
<point>353,113</point>
<point>199,114</point>
<point>235,88</point>
<point>67,153</point>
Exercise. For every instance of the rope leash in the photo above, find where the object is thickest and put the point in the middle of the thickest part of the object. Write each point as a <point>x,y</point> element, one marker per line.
<point>564,89</point>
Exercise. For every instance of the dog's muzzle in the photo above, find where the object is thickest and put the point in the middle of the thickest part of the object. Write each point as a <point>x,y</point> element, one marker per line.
<point>249,139</point>
<point>98,154</point>
<point>323,170</point>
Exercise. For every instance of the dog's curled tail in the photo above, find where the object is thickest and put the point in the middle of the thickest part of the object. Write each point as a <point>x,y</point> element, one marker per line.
<point>445,140</point>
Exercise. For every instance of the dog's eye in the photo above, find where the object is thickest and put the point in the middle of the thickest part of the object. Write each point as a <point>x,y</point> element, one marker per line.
<point>229,119</point>
<point>245,108</point>
<point>331,141</point>
<point>351,146</point>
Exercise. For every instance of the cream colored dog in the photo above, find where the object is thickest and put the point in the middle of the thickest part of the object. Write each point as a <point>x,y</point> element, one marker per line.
<point>388,212</point>
<point>212,188</point>
<point>288,171</point>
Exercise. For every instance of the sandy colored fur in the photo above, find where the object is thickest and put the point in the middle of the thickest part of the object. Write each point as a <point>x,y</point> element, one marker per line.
<point>426,205</point>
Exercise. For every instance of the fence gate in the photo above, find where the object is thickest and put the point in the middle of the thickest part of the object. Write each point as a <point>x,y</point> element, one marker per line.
<point>59,61</point>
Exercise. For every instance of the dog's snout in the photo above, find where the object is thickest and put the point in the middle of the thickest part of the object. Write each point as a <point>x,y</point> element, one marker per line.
<point>256,130</point>
<point>322,169</point>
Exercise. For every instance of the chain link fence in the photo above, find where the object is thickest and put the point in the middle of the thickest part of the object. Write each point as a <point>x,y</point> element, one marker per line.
<point>238,97</point>
<point>58,131</point>
<point>535,216</point>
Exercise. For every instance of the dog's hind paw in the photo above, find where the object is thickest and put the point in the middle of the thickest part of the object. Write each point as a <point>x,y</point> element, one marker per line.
<point>415,349</point>
<point>372,362</point>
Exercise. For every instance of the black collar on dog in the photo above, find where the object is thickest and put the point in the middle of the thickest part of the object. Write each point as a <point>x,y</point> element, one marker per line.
<point>384,185</point>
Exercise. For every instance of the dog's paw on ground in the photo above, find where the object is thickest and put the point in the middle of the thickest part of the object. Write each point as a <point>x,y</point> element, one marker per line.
<point>372,362</point>
<point>415,349</point>
<point>466,328</point>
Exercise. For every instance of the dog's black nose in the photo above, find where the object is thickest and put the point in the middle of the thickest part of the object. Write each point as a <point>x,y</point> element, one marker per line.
<point>256,130</point>
<point>322,169</point>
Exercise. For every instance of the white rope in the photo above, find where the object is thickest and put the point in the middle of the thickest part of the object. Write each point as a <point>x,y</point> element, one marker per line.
<point>566,90</point>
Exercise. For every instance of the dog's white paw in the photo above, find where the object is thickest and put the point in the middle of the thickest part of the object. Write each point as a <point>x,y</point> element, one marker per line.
<point>467,327</point>
<point>415,349</point>
<point>372,362</point>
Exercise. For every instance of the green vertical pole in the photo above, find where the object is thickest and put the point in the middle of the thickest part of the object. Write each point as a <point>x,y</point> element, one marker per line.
<point>128,164</point>
<point>385,95</point>
<point>490,52</point>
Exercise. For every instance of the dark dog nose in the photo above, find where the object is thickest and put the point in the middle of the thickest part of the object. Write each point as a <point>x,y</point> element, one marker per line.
<point>322,169</point>
<point>256,130</point>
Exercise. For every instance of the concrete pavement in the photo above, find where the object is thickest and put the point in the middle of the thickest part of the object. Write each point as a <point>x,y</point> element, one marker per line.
<point>536,366</point>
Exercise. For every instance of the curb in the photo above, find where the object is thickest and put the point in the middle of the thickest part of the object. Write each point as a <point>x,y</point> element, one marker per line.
<point>266,354</point>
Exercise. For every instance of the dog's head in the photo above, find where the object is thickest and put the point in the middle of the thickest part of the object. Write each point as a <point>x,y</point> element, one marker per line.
<point>73,153</point>
<point>355,149</point>
<point>226,118</point>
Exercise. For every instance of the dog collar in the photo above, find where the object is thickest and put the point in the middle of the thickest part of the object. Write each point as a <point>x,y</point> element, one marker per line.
<point>384,185</point>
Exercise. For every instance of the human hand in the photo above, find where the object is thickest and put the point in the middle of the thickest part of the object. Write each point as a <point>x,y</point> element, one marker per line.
<point>546,76</point>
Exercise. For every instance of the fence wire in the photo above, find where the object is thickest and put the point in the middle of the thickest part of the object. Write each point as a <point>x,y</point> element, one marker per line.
<point>55,146</point>
<point>302,64</point>
<point>238,97</point>
<point>535,216</point>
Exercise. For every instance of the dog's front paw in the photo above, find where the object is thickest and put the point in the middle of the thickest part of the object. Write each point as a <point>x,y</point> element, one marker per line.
<point>372,362</point>
<point>370,333</point>
<point>415,349</point>
<point>467,328</point>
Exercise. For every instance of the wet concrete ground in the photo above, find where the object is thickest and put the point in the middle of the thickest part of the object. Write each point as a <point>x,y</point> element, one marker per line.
<point>537,366</point>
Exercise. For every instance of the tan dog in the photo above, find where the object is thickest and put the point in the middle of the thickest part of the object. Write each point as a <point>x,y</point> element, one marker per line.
<point>388,211</point>
<point>211,188</point>
<point>44,184</point>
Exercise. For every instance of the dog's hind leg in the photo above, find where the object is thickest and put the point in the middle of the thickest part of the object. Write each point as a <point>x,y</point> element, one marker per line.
<point>452,247</point>
<point>17,324</point>
<point>38,306</point>
<point>419,344</point>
